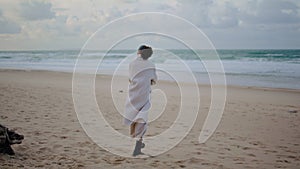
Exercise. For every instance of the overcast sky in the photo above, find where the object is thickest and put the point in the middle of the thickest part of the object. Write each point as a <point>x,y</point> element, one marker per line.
<point>229,24</point>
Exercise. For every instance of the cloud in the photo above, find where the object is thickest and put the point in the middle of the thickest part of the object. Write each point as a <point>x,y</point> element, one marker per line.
<point>271,12</point>
<point>232,13</point>
<point>228,23</point>
<point>7,26</point>
<point>154,6</point>
<point>36,10</point>
<point>208,13</point>
<point>223,15</point>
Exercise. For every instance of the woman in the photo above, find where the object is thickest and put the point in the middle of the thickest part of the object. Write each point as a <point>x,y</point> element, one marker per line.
<point>142,75</point>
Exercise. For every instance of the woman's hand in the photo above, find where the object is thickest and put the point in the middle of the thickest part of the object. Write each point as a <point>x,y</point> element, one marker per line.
<point>153,82</point>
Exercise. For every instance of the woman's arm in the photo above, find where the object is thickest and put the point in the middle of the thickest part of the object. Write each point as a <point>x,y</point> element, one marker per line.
<point>153,81</point>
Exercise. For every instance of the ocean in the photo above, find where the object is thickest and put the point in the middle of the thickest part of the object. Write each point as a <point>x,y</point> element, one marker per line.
<point>256,68</point>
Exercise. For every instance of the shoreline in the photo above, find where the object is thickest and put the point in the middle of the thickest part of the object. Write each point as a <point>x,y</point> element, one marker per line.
<point>164,81</point>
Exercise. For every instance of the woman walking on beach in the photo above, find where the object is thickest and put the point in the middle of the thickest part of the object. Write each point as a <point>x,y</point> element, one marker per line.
<point>142,75</point>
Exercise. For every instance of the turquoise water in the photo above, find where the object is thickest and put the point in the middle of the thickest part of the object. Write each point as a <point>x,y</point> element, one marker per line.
<point>262,68</point>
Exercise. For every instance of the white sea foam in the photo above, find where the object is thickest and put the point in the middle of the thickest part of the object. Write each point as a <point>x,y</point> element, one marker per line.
<point>263,68</point>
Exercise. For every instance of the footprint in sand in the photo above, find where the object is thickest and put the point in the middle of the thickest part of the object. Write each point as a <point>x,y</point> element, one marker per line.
<point>56,146</point>
<point>114,160</point>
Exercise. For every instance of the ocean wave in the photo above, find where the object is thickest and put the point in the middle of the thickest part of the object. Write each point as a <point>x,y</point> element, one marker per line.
<point>269,66</point>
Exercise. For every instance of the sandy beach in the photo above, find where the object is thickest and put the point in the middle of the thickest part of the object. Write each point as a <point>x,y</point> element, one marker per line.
<point>260,127</point>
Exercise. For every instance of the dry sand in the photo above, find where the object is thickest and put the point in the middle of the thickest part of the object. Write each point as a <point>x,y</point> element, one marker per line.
<point>259,127</point>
